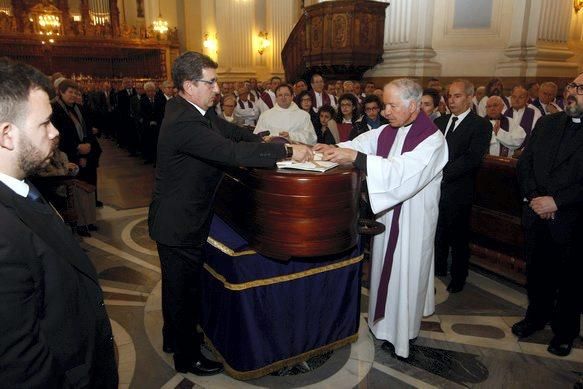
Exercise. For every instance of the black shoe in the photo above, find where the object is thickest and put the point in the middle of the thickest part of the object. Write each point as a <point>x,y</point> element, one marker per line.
<point>525,328</point>
<point>92,227</point>
<point>388,347</point>
<point>98,204</point>
<point>560,347</point>
<point>455,286</point>
<point>168,349</point>
<point>83,231</point>
<point>441,273</point>
<point>201,367</point>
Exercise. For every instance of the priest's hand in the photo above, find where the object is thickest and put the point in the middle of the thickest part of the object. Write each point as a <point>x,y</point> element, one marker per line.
<point>543,205</point>
<point>340,155</point>
<point>321,147</point>
<point>302,153</point>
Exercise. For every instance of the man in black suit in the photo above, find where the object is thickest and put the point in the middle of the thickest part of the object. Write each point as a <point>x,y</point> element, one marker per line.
<point>550,172</point>
<point>468,137</point>
<point>151,112</point>
<point>55,329</point>
<point>126,131</point>
<point>193,147</point>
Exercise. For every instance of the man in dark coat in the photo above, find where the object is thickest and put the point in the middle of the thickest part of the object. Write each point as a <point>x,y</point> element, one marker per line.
<point>193,147</point>
<point>550,172</point>
<point>468,137</point>
<point>55,329</point>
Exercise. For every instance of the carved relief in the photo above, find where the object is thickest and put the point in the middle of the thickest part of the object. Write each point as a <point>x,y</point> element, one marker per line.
<point>366,37</point>
<point>317,32</point>
<point>340,30</point>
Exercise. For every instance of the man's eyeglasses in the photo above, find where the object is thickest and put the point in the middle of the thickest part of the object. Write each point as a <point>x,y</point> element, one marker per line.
<point>370,109</point>
<point>209,82</point>
<point>578,87</point>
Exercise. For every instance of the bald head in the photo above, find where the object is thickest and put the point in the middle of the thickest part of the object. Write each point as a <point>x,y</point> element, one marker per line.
<point>494,107</point>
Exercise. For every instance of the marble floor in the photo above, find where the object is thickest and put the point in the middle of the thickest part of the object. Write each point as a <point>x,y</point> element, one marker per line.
<point>466,343</point>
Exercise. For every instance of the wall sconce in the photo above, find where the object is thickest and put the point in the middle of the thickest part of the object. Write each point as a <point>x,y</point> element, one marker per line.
<point>209,43</point>
<point>263,42</point>
<point>577,4</point>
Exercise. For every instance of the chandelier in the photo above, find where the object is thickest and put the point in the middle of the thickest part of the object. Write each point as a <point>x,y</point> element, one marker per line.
<point>46,19</point>
<point>160,25</point>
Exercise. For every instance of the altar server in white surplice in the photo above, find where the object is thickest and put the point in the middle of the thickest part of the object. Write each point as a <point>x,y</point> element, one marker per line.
<point>403,163</point>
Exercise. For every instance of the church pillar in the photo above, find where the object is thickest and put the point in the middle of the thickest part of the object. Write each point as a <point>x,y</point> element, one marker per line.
<point>538,43</point>
<point>407,41</point>
<point>281,18</point>
<point>235,25</point>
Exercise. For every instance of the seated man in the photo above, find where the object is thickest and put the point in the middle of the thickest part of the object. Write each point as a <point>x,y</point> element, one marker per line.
<point>319,96</point>
<point>228,110</point>
<point>246,110</point>
<point>546,101</point>
<point>286,119</point>
<point>493,88</point>
<point>267,98</point>
<point>507,135</point>
<point>520,111</point>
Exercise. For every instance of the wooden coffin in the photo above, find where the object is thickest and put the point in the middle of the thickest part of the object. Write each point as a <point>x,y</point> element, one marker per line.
<point>291,213</point>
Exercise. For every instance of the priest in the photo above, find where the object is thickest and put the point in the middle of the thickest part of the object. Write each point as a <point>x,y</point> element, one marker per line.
<point>403,163</point>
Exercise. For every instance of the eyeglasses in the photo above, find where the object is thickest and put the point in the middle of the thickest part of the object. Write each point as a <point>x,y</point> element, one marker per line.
<point>578,87</point>
<point>307,99</point>
<point>208,82</point>
<point>370,109</point>
<point>346,104</point>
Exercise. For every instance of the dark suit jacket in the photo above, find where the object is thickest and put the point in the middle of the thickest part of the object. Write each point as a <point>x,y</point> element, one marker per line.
<point>546,169</point>
<point>192,149</point>
<point>123,101</point>
<point>149,112</point>
<point>467,146</point>
<point>55,330</point>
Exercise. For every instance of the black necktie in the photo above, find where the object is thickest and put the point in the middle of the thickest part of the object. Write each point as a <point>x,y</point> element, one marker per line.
<point>451,126</point>
<point>34,194</point>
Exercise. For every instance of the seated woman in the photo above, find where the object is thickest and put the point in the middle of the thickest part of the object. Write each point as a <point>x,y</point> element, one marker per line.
<point>304,101</point>
<point>228,110</point>
<point>430,103</point>
<point>372,117</point>
<point>346,117</point>
<point>324,133</point>
<point>83,192</point>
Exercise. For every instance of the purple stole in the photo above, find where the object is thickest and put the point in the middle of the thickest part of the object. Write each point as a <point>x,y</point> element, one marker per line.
<point>242,106</point>
<point>325,99</point>
<point>527,118</point>
<point>267,99</point>
<point>421,129</point>
<point>504,125</point>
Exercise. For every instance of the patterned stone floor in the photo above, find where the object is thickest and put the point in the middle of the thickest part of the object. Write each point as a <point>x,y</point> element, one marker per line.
<point>466,343</point>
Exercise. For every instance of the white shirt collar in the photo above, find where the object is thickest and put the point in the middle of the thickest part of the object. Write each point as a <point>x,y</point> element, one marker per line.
<point>461,116</point>
<point>19,186</point>
<point>202,111</point>
<point>576,120</point>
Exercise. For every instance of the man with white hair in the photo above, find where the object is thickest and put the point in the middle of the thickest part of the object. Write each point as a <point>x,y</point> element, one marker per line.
<point>507,135</point>
<point>546,101</point>
<point>403,163</point>
<point>525,115</point>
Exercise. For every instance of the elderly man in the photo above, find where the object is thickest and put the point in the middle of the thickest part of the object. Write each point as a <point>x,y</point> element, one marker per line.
<point>286,119</point>
<point>318,95</point>
<point>55,329</point>
<point>267,98</point>
<point>520,111</point>
<point>151,112</point>
<point>193,146</point>
<point>403,163</point>
<point>546,101</point>
<point>494,87</point>
<point>168,89</point>
<point>507,135</point>
<point>246,110</point>
<point>550,173</point>
<point>468,136</point>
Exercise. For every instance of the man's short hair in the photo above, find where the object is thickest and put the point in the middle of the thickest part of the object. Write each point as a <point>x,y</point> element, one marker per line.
<point>433,94</point>
<point>289,87</point>
<point>329,109</point>
<point>408,89</point>
<point>149,86</point>
<point>549,84</point>
<point>372,99</point>
<point>167,84</point>
<point>468,86</point>
<point>519,86</point>
<point>313,76</point>
<point>188,67</point>
<point>17,80</point>
<point>66,84</point>
<point>275,78</point>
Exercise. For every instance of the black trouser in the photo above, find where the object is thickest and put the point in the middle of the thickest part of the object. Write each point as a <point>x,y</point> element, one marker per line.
<point>181,286</point>
<point>453,230</point>
<point>553,280</point>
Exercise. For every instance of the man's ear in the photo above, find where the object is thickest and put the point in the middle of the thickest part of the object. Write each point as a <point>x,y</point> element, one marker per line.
<point>7,135</point>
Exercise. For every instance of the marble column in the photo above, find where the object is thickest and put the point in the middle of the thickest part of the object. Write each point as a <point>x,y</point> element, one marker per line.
<point>235,22</point>
<point>280,20</point>
<point>538,42</point>
<point>408,41</point>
